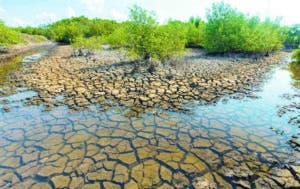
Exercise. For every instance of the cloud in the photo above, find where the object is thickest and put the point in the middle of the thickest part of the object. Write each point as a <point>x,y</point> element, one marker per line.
<point>117,15</point>
<point>45,18</point>
<point>71,12</point>
<point>2,10</point>
<point>14,21</point>
<point>95,7</point>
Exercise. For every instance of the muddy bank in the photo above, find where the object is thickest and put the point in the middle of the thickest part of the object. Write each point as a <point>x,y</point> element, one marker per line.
<point>8,53</point>
<point>108,78</point>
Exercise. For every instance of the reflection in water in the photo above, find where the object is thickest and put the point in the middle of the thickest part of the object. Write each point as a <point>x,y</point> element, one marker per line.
<point>5,68</point>
<point>18,63</point>
<point>225,145</point>
<point>294,68</point>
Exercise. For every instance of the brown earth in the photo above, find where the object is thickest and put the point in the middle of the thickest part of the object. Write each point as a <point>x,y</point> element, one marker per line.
<point>108,78</point>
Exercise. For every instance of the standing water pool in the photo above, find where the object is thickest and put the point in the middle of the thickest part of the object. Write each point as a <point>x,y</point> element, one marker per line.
<point>235,143</point>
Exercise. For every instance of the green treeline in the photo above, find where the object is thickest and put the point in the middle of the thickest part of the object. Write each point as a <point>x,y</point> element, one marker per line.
<point>8,36</point>
<point>226,30</point>
<point>11,36</point>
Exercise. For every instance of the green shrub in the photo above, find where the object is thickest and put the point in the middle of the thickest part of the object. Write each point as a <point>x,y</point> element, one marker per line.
<point>195,36</point>
<point>100,27</point>
<point>169,41</point>
<point>195,32</point>
<point>296,55</point>
<point>146,39</point>
<point>292,36</point>
<point>223,30</point>
<point>67,30</point>
<point>294,69</point>
<point>88,43</point>
<point>8,36</point>
<point>32,30</point>
<point>228,30</point>
<point>119,37</point>
<point>65,33</point>
<point>262,36</point>
<point>196,21</point>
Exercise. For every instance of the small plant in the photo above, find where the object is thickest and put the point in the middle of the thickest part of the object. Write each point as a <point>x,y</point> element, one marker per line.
<point>88,43</point>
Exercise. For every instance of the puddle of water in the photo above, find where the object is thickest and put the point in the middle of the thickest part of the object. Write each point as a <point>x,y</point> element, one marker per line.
<point>158,148</point>
<point>33,58</point>
<point>19,96</point>
<point>6,68</point>
<point>19,63</point>
<point>294,69</point>
<point>58,98</point>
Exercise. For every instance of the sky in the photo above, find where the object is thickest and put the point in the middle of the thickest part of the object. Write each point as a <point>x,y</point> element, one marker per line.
<point>39,12</point>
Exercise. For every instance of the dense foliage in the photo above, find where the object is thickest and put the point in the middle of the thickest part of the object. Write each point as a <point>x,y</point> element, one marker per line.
<point>8,36</point>
<point>146,39</point>
<point>119,37</point>
<point>292,36</point>
<point>195,32</point>
<point>67,30</point>
<point>296,55</point>
<point>32,30</point>
<point>294,69</point>
<point>229,30</point>
<point>88,43</point>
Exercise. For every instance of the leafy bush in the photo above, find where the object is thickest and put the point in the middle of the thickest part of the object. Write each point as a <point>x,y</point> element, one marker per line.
<point>119,37</point>
<point>67,30</point>
<point>99,27</point>
<point>294,69</point>
<point>8,36</point>
<point>170,41</point>
<point>262,36</point>
<point>196,21</point>
<point>76,28</point>
<point>32,30</point>
<point>292,36</point>
<point>195,32</point>
<point>228,30</point>
<point>148,40</point>
<point>88,43</point>
<point>296,55</point>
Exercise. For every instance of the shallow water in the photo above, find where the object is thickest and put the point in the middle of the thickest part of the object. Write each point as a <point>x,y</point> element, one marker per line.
<point>6,68</point>
<point>225,143</point>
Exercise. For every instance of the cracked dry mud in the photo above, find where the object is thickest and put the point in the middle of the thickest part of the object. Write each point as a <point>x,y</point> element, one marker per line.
<point>107,78</point>
<point>136,146</point>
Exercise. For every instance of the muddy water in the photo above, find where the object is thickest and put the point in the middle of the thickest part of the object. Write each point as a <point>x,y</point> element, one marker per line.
<point>232,144</point>
<point>6,68</point>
